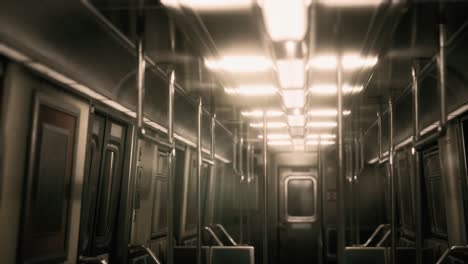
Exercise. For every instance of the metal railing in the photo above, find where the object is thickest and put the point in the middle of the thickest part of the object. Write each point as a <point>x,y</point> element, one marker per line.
<point>221,227</point>
<point>374,234</point>
<point>213,235</point>
<point>147,250</point>
<point>449,251</point>
<point>92,260</point>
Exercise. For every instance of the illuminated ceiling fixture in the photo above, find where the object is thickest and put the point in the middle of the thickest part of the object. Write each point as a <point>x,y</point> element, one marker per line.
<point>294,98</point>
<point>269,125</point>
<point>327,112</point>
<point>252,90</point>
<point>259,113</point>
<point>352,3</point>
<point>276,136</point>
<point>321,142</point>
<point>209,5</point>
<point>285,20</point>
<point>298,144</point>
<point>239,64</point>
<point>321,136</point>
<point>279,143</point>
<point>330,89</point>
<point>350,62</point>
<point>296,120</point>
<point>324,124</point>
<point>291,73</point>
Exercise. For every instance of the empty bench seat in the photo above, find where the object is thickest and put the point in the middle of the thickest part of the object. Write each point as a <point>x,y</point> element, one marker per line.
<point>232,255</point>
<point>368,255</point>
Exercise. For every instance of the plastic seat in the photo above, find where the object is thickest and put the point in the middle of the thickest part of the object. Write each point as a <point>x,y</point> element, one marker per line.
<point>232,255</point>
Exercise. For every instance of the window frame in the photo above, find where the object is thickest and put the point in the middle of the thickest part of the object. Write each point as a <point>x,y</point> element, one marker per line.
<point>300,219</point>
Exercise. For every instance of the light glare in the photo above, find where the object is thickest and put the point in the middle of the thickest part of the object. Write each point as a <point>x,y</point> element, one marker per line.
<point>296,120</point>
<point>279,143</point>
<point>351,3</point>
<point>327,112</point>
<point>214,5</point>
<point>351,61</point>
<point>330,89</point>
<point>276,136</point>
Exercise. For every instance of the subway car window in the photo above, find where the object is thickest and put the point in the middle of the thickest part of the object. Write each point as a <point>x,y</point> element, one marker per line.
<point>329,132</point>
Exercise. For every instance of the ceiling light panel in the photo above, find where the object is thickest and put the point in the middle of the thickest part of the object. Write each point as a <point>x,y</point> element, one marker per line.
<point>291,73</point>
<point>294,98</point>
<point>321,142</point>
<point>209,5</point>
<point>285,20</point>
<point>240,64</point>
<point>279,143</point>
<point>252,90</point>
<point>296,120</point>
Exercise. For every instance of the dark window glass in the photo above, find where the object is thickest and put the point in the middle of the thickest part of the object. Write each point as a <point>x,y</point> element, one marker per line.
<point>160,207</point>
<point>435,193</point>
<point>191,217</point>
<point>301,198</point>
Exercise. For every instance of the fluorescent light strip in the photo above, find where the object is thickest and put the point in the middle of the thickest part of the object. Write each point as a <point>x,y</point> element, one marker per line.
<point>276,136</point>
<point>321,142</point>
<point>350,62</point>
<point>296,120</point>
<point>259,113</point>
<point>279,143</point>
<point>269,125</point>
<point>294,98</point>
<point>209,5</point>
<point>322,136</point>
<point>240,64</point>
<point>327,112</point>
<point>330,89</point>
<point>252,90</point>
<point>329,124</point>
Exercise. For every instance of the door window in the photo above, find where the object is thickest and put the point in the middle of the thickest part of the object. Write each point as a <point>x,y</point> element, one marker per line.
<point>301,199</point>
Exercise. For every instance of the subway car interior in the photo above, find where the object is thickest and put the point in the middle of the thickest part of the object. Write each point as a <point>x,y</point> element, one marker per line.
<point>234,131</point>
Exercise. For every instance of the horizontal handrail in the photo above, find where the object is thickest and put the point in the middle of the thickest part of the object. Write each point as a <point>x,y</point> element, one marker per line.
<point>221,227</point>
<point>91,260</point>
<point>374,234</point>
<point>208,161</point>
<point>384,238</point>
<point>156,140</point>
<point>430,139</point>
<point>210,231</point>
<point>148,251</point>
<point>449,251</point>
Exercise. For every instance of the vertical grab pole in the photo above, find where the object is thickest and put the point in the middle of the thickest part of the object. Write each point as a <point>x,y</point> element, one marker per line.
<point>241,187</point>
<point>171,157</point>
<point>170,172</point>
<point>442,74</point>
<point>199,175</point>
<point>417,159</point>
<point>341,173</point>
<point>356,188</point>
<point>249,179</point>
<point>265,189</point>
<point>392,183</point>
<point>322,204</point>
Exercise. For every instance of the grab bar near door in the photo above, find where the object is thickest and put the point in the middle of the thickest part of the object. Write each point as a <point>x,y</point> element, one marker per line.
<point>221,227</point>
<point>92,260</point>
<point>384,238</point>
<point>148,251</point>
<point>449,251</point>
<point>374,234</point>
<point>215,237</point>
